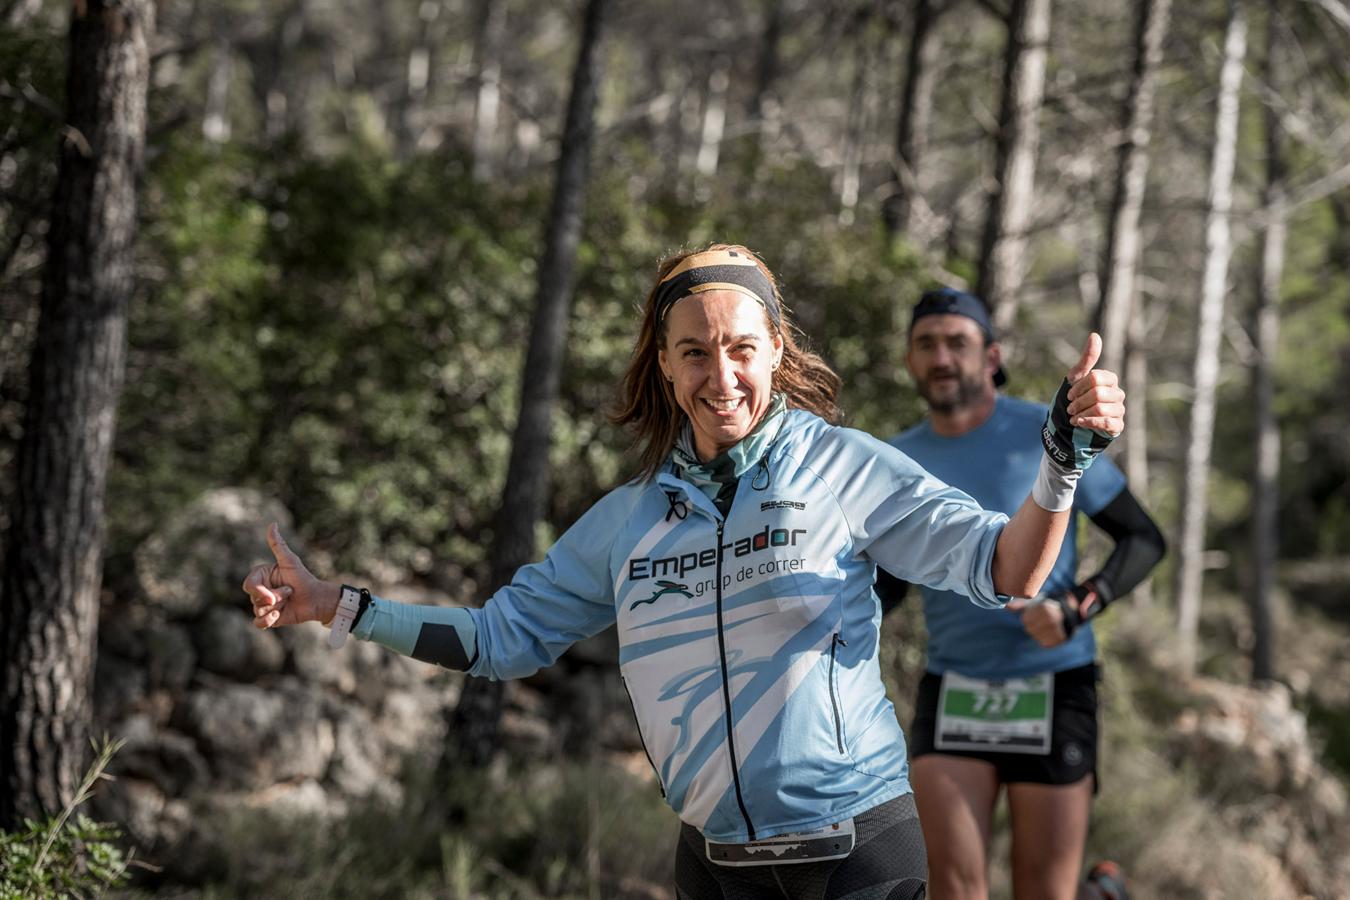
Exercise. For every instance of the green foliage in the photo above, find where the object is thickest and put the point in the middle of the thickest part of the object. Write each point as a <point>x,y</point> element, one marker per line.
<point>574,829</point>
<point>346,332</point>
<point>69,855</point>
<point>76,858</point>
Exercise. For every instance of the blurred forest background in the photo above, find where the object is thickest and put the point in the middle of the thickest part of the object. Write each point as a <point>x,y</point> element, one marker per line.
<point>372,268</point>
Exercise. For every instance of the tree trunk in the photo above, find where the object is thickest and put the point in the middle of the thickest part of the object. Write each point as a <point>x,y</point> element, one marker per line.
<point>487,45</point>
<point>1218,249</point>
<point>476,718</point>
<point>855,136</point>
<point>1136,447</point>
<point>1265,533</point>
<point>49,590</point>
<point>1003,250</point>
<point>916,110</point>
<point>1122,233</point>
<point>762,107</point>
<point>216,121</point>
<point>714,119</point>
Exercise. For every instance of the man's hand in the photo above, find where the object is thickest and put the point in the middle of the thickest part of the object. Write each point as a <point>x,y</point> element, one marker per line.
<point>1087,413</point>
<point>1042,619</point>
<point>285,593</point>
<point>1053,621</point>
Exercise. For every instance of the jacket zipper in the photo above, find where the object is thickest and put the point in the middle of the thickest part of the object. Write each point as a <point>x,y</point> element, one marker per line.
<point>642,740</point>
<point>726,689</point>
<point>834,700</point>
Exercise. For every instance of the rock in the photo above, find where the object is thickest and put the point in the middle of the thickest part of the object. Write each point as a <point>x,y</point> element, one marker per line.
<point>228,644</point>
<point>305,798</point>
<point>1248,736</point>
<point>120,685</point>
<point>170,658</point>
<point>137,805</point>
<point>254,737</point>
<point>312,659</point>
<point>202,553</point>
<point>361,766</point>
<point>168,758</point>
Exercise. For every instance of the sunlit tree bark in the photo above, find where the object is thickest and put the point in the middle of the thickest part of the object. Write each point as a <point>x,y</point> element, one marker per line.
<point>1122,233</point>
<point>1003,250</point>
<point>49,589</point>
<point>916,110</point>
<point>1213,290</point>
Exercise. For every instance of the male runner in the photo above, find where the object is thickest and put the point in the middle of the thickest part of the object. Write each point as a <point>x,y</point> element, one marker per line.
<point>1009,696</point>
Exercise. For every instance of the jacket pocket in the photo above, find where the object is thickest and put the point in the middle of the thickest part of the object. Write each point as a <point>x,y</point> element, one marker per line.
<point>835,642</point>
<point>642,740</point>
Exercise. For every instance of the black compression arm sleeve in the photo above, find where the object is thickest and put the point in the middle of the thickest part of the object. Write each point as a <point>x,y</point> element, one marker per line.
<point>1139,546</point>
<point>890,589</point>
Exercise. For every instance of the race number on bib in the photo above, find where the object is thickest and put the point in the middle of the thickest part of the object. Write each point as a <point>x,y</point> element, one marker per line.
<point>1007,716</point>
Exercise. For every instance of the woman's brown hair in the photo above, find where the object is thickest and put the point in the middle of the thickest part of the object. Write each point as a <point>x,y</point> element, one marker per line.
<point>647,401</point>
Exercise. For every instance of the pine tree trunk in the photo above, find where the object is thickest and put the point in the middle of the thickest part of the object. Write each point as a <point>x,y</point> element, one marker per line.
<point>916,110</point>
<point>49,591</point>
<point>1003,250</point>
<point>475,721</point>
<point>1265,534</point>
<point>1213,289</point>
<point>1122,234</point>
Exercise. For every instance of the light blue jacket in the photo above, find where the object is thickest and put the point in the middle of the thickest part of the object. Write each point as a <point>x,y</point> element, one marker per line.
<point>748,643</point>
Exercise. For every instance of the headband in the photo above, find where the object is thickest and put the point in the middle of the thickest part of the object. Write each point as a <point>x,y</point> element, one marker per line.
<point>717,270</point>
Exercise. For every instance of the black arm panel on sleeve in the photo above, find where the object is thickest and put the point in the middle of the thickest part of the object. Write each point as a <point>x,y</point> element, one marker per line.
<point>1139,546</point>
<point>890,589</point>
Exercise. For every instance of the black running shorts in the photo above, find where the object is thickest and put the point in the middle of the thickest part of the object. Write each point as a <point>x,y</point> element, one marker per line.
<point>888,862</point>
<point>1073,733</point>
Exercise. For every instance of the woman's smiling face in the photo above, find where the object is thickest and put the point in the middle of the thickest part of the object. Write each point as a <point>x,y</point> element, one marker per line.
<point>719,356</point>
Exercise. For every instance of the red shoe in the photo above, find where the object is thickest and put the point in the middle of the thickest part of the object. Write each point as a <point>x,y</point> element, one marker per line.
<point>1107,878</point>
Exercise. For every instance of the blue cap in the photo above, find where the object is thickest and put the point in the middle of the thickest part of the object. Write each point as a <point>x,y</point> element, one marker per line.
<point>951,302</point>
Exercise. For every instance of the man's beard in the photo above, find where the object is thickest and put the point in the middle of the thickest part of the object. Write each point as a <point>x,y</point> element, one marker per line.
<point>967,391</point>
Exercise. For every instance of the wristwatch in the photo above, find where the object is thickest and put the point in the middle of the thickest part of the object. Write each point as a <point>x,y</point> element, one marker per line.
<point>349,604</point>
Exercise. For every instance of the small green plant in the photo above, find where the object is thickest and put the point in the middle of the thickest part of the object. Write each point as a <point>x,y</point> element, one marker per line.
<point>69,855</point>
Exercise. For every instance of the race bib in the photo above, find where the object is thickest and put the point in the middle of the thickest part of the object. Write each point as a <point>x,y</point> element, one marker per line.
<point>1011,715</point>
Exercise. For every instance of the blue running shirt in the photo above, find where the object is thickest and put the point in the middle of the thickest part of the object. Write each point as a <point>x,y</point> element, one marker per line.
<point>996,464</point>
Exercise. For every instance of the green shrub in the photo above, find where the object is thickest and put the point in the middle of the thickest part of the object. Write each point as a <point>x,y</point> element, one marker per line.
<point>68,855</point>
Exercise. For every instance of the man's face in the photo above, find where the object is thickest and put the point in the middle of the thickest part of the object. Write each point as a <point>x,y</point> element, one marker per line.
<point>950,362</point>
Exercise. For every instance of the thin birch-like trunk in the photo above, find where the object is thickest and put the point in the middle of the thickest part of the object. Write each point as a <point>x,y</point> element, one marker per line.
<point>916,111</point>
<point>1122,234</point>
<point>1213,290</point>
<point>1003,251</point>
<point>714,119</point>
<point>491,30</point>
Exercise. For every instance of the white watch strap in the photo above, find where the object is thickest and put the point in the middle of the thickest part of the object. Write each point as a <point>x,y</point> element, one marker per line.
<point>349,604</point>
